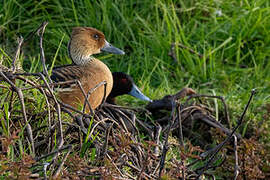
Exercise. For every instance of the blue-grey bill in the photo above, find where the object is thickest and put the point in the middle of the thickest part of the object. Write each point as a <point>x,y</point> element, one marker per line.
<point>138,94</point>
<point>111,49</point>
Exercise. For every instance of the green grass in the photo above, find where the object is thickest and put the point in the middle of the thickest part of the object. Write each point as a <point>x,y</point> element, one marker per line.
<point>235,46</point>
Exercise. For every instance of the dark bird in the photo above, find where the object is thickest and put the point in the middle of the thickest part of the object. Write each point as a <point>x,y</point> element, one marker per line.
<point>124,84</point>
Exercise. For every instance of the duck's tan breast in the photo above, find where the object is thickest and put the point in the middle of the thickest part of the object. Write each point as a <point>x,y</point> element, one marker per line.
<point>93,73</point>
<point>96,72</point>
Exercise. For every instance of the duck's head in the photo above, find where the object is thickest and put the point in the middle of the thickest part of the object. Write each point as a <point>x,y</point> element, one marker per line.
<point>86,41</point>
<point>124,84</point>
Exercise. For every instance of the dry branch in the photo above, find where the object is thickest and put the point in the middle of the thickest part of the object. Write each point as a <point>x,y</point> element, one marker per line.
<point>173,55</point>
<point>40,33</point>
<point>20,41</point>
<point>218,147</point>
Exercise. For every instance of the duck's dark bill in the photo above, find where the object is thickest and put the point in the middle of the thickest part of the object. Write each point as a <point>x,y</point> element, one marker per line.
<point>111,49</point>
<point>138,94</point>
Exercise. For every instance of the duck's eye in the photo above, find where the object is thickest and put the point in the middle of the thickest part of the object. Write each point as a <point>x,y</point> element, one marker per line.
<point>124,80</point>
<point>96,36</point>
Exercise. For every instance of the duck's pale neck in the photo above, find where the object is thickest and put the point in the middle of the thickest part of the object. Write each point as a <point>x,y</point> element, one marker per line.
<point>81,59</point>
<point>79,56</point>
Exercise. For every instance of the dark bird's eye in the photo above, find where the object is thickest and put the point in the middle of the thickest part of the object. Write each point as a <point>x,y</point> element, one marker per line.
<point>124,80</point>
<point>96,36</point>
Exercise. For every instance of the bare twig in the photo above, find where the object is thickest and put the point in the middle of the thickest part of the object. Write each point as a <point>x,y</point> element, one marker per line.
<point>221,162</point>
<point>53,152</point>
<point>58,109</point>
<point>74,109</point>
<point>127,122</point>
<point>104,95</point>
<point>49,116</point>
<point>110,159</point>
<point>213,123</point>
<point>86,101</point>
<point>166,101</point>
<point>57,172</point>
<point>218,147</point>
<point>79,121</point>
<point>20,94</point>
<point>29,36</point>
<point>45,166</point>
<point>105,145</point>
<point>218,97</point>
<point>165,145</point>
<point>40,32</point>
<point>189,49</point>
<point>51,84</point>
<point>138,170</point>
<point>236,166</point>
<point>20,41</point>
<point>172,51</point>
<point>3,86</point>
<point>92,90</point>
<point>180,131</point>
<point>146,127</point>
<point>156,139</point>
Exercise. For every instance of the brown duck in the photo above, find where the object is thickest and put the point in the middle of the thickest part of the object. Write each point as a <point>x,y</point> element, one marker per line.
<point>84,42</point>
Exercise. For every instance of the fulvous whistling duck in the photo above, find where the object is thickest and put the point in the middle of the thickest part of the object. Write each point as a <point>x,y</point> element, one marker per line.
<point>84,42</point>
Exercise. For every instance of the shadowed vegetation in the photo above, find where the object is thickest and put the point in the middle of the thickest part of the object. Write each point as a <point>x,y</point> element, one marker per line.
<point>220,48</point>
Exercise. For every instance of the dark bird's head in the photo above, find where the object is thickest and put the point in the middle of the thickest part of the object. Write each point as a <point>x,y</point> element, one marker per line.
<point>124,84</point>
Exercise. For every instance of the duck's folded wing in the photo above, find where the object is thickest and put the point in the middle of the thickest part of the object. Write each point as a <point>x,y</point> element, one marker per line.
<point>67,74</point>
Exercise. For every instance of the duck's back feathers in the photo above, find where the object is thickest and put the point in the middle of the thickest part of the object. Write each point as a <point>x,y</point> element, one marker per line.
<point>66,73</point>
